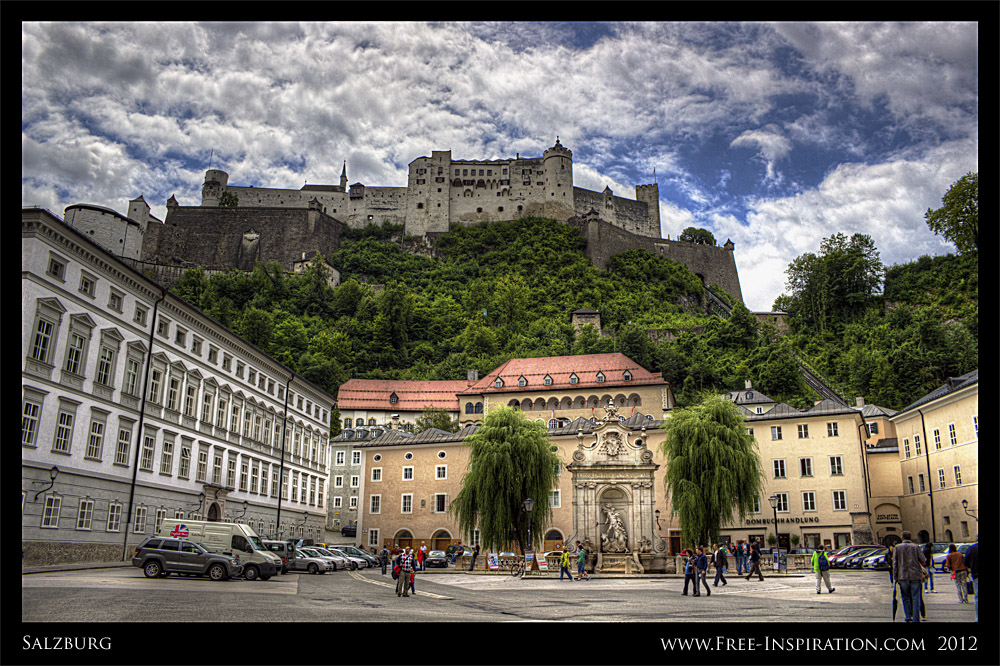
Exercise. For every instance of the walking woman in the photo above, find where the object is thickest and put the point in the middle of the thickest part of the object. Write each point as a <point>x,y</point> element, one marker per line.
<point>955,563</point>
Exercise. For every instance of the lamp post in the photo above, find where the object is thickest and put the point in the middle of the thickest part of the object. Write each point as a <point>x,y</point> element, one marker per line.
<point>53,473</point>
<point>773,499</point>
<point>529,504</point>
<point>965,507</point>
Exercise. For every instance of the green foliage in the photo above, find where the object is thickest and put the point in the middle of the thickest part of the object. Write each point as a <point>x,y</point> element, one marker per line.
<point>229,200</point>
<point>435,417</point>
<point>958,219</point>
<point>713,469</point>
<point>698,236</point>
<point>510,460</point>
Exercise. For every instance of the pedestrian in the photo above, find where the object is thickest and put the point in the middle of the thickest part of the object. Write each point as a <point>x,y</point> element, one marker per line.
<point>929,559</point>
<point>581,562</point>
<point>972,562</point>
<point>721,564</point>
<point>741,558</point>
<point>405,563</point>
<point>907,567</point>
<point>955,563</point>
<point>421,555</point>
<point>690,575</point>
<point>475,554</point>
<point>888,562</point>
<point>754,566</point>
<point>701,563</point>
<point>384,558</point>
<point>564,561</point>
<point>821,565</point>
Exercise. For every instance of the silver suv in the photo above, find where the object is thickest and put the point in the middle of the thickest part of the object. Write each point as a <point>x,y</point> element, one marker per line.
<point>159,557</point>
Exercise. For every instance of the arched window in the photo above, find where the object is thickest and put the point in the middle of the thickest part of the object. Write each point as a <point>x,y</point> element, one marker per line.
<point>371,421</point>
<point>479,408</point>
<point>553,423</point>
<point>347,422</point>
<point>468,408</point>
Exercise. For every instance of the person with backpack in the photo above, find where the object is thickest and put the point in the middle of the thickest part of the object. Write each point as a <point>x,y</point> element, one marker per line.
<point>581,562</point>
<point>754,566</point>
<point>384,558</point>
<point>721,563</point>
<point>401,570</point>
<point>821,565</point>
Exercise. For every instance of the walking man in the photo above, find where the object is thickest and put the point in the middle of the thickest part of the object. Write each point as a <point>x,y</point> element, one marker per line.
<point>701,563</point>
<point>928,557</point>
<point>405,561</point>
<point>384,558</point>
<point>721,564</point>
<point>689,575</point>
<point>821,565</point>
<point>564,560</point>
<point>581,562</point>
<point>741,557</point>
<point>475,554</point>
<point>972,562</point>
<point>754,566</point>
<point>907,564</point>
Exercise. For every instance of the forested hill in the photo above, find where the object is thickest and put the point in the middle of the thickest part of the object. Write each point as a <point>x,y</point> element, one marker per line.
<point>497,291</point>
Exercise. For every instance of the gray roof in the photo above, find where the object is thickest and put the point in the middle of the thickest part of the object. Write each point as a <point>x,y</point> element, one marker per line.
<point>785,411</point>
<point>748,397</point>
<point>953,384</point>
<point>586,426</point>
<point>887,445</point>
<point>874,411</point>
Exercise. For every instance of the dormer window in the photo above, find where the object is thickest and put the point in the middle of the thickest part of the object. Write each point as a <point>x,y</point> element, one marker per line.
<point>600,377</point>
<point>573,379</point>
<point>548,380</point>
<point>521,381</point>
<point>627,376</point>
<point>393,398</point>
<point>498,383</point>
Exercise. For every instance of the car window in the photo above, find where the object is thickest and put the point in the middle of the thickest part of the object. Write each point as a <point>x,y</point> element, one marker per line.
<point>170,545</point>
<point>188,547</point>
<point>152,543</point>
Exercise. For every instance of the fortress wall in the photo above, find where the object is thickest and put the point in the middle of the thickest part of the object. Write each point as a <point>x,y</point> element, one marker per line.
<point>197,236</point>
<point>627,214</point>
<point>716,265</point>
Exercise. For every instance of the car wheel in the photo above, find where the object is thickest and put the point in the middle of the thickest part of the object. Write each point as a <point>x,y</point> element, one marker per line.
<point>251,573</point>
<point>354,566</point>
<point>334,565</point>
<point>152,569</point>
<point>313,569</point>
<point>217,572</point>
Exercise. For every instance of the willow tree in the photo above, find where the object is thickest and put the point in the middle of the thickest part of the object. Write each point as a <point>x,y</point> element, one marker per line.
<point>510,460</point>
<point>713,468</point>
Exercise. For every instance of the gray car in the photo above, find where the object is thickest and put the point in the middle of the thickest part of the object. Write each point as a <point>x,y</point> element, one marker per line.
<point>159,557</point>
<point>306,561</point>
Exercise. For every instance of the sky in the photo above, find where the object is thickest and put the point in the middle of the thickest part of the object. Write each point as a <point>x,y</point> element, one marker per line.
<point>772,135</point>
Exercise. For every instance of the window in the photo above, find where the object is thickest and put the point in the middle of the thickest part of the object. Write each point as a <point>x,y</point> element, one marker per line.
<point>627,376</point>
<point>64,432</point>
<point>498,383</point>
<point>393,399</point>
<point>355,479</point>
<point>190,394</point>
<point>173,393</point>
<point>521,381</point>
<point>803,431</point>
<point>140,315</point>
<point>105,366</point>
<point>122,448</point>
<point>114,517</point>
<point>779,469</point>
<point>160,515</point>
<point>975,425</point>
<point>184,470</point>
<point>782,502</point>
<point>213,355</point>
<point>952,435</point>
<point>167,456</point>
<point>555,499</point>
<point>408,473</point>
<point>920,482</point>
<point>116,301</point>
<point>146,456</point>
<point>750,431</point>
<point>775,433</point>
<point>57,268</point>
<point>206,408</point>
<point>548,380</point>
<point>840,500</point>
<point>600,377</point>
<point>75,353</point>
<point>338,502</point>
<point>937,438</point>
<point>440,503</point>
<point>353,503</point>
<point>916,444</point>
<point>573,379</point>
<point>355,457</point>
<point>373,537</point>
<point>941,482</point>
<point>406,504</point>
<point>906,447</point>
<point>139,524</point>
<point>340,457</point>
<point>376,474</point>
<point>196,345</point>
<point>85,514</point>
<point>872,429</point>
<point>836,466</point>
<point>217,469</point>
<point>441,472</point>
<point>831,429</point>
<point>755,508</point>
<point>50,512</point>
<point>162,327</point>
<point>202,472</point>
<point>805,466</point>
<point>43,339</point>
<point>909,483</point>
<point>132,377</point>
<point>958,475</point>
<point>338,482</point>
<point>809,501</point>
<point>95,441</point>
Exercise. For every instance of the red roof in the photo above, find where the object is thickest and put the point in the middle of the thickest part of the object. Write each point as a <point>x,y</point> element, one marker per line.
<point>412,396</point>
<point>561,368</point>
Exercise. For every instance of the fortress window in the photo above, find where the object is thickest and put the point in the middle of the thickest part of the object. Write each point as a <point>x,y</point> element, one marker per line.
<point>481,172</point>
<point>489,172</point>
<point>420,205</point>
<point>504,172</point>
<point>499,209</point>
<point>465,172</point>
<point>479,210</point>
<point>519,208</point>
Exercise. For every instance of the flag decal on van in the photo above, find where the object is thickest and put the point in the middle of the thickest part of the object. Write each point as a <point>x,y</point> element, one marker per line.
<point>179,532</point>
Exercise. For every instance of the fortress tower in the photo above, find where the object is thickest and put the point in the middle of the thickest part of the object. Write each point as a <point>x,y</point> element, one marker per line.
<point>650,194</point>
<point>215,184</point>
<point>557,167</point>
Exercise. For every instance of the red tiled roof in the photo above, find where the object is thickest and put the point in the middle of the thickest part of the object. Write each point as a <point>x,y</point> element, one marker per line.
<point>413,396</point>
<point>560,368</point>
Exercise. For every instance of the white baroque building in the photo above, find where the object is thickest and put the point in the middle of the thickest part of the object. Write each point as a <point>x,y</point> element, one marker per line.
<point>136,406</point>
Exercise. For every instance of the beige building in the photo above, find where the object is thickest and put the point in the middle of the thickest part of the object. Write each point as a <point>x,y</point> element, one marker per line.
<point>374,402</point>
<point>939,462</point>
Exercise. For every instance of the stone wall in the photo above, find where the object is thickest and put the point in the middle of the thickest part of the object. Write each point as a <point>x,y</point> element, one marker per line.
<point>715,265</point>
<point>44,553</point>
<point>240,237</point>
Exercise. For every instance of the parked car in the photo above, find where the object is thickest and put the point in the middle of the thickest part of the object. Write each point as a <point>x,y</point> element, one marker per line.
<point>355,561</point>
<point>436,558</point>
<point>304,560</point>
<point>339,561</point>
<point>235,540</point>
<point>878,562</point>
<point>283,549</point>
<point>847,550</point>
<point>939,558</point>
<point>349,530</point>
<point>801,551</point>
<point>856,559</point>
<point>357,552</point>
<point>159,557</point>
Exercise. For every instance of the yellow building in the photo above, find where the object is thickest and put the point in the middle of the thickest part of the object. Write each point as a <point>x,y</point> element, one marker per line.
<point>939,462</point>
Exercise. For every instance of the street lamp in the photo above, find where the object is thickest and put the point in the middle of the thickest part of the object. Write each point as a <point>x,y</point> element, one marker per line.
<point>773,499</point>
<point>965,507</point>
<point>53,473</point>
<point>246,504</point>
<point>529,504</point>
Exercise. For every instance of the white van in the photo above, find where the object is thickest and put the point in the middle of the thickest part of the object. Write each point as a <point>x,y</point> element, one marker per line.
<point>235,539</point>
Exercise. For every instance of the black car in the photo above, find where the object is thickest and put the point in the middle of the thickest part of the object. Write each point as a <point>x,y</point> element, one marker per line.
<point>349,530</point>
<point>436,558</point>
<point>159,557</point>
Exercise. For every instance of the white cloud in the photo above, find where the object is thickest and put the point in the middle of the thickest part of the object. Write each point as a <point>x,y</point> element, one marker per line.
<point>771,145</point>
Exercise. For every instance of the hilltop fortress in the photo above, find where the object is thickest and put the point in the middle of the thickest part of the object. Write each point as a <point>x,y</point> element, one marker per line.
<point>288,226</point>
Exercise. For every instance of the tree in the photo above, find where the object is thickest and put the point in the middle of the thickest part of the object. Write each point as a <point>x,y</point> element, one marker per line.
<point>435,417</point>
<point>698,236</point>
<point>510,460</point>
<point>713,469</point>
<point>958,219</point>
<point>229,199</point>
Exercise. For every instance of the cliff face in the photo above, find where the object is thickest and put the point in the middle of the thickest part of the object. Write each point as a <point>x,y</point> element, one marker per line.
<point>715,265</point>
<point>240,237</point>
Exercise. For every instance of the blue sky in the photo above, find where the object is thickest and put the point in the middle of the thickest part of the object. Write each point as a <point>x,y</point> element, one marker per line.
<point>773,135</point>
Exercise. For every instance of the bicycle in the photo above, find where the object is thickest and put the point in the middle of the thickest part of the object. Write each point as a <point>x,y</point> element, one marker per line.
<point>517,569</point>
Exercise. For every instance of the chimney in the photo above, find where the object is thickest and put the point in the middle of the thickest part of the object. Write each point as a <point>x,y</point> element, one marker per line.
<point>473,376</point>
<point>860,402</point>
<point>748,387</point>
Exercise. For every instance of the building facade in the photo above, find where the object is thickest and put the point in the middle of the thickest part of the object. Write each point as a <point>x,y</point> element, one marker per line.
<point>938,441</point>
<point>137,407</point>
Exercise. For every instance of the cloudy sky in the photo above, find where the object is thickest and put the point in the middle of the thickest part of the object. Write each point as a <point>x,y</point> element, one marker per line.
<point>773,135</point>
